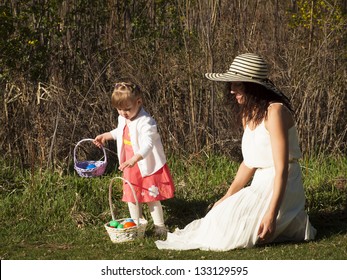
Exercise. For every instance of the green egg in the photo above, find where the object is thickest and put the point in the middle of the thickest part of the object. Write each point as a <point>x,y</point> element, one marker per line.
<point>114,223</point>
<point>120,226</point>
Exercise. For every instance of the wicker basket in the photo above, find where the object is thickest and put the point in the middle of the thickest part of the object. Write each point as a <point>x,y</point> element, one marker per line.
<point>119,235</point>
<point>81,166</point>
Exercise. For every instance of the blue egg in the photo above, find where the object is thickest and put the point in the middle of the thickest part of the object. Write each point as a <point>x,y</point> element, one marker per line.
<point>129,220</point>
<point>91,166</point>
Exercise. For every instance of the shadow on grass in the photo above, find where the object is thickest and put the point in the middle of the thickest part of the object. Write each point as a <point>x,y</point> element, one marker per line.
<point>329,223</point>
<point>180,212</point>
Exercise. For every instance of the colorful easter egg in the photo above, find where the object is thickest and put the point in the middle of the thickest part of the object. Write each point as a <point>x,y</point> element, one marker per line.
<point>90,166</point>
<point>129,225</point>
<point>114,223</point>
<point>120,226</point>
<point>129,220</point>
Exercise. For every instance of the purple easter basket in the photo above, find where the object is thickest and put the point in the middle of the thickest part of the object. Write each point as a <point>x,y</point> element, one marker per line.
<point>90,168</point>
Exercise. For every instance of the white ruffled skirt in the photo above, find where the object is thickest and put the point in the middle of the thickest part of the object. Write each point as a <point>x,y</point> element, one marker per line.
<point>234,223</point>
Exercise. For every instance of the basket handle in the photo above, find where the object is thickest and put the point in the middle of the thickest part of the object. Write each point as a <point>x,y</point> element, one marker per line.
<point>84,140</point>
<point>133,192</point>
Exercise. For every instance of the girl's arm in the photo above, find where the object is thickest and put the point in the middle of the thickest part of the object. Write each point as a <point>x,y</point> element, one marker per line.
<point>279,120</point>
<point>147,135</point>
<point>243,176</point>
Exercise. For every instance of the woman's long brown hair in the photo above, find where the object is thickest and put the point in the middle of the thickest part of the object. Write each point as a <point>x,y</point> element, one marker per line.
<point>257,99</point>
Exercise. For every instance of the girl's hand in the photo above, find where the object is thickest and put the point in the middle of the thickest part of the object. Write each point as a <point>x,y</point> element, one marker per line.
<point>267,228</point>
<point>130,163</point>
<point>101,139</point>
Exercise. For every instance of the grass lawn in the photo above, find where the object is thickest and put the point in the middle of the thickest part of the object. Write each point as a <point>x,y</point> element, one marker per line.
<point>46,216</point>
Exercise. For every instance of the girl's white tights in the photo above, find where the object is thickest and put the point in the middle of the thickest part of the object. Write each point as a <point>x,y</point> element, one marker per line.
<point>155,209</point>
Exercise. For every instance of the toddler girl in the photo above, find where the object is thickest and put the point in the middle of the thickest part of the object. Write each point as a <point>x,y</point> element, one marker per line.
<point>140,153</point>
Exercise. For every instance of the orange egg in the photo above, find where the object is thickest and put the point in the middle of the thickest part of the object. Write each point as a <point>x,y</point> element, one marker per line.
<point>129,224</point>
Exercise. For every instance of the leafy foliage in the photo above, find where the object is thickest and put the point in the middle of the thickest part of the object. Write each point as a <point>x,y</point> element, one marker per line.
<point>319,14</point>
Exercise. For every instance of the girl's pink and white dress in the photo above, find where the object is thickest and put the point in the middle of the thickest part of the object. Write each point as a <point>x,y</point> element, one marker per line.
<point>154,187</point>
<point>234,223</point>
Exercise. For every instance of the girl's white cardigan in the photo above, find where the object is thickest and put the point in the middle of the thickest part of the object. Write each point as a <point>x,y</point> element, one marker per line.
<point>145,141</point>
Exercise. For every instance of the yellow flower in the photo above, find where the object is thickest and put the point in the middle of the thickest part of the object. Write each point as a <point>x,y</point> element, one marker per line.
<point>32,42</point>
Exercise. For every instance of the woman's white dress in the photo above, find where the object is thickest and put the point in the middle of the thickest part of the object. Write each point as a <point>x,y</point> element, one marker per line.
<point>234,222</point>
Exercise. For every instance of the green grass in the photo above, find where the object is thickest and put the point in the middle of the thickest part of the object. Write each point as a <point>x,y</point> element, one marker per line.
<point>47,215</point>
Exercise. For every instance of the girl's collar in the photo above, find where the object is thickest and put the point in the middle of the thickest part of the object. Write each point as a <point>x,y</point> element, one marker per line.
<point>136,116</point>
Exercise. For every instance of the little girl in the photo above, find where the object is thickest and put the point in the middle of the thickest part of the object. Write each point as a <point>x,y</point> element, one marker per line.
<point>140,153</point>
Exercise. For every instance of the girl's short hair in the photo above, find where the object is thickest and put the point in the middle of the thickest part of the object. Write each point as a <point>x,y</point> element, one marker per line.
<point>124,92</point>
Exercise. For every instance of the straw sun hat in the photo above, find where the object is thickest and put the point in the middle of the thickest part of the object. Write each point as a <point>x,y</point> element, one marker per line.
<point>248,67</point>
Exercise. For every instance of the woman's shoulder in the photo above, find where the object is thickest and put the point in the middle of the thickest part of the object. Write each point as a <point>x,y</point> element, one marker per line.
<point>278,108</point>
<point>280,112</point>
<point>275,105</point>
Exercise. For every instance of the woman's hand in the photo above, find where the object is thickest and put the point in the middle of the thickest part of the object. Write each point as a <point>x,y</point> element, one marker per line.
<point>219,201</point>
<point>242,177</point>
<point>267,228</point>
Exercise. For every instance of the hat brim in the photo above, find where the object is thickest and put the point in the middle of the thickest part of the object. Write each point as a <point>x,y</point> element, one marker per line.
<point>230,77</point>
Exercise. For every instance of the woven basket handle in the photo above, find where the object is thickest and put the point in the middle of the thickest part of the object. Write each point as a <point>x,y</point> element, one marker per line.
<point>133,192</point>
<point>84,140</point>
